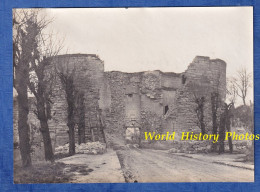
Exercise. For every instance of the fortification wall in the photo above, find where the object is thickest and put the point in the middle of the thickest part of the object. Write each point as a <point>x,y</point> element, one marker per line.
<point>157,90</point>
<point>166,100</point>
<point>210,72</point>
<point>114,115</point>
<point>203,77</point>
<point>88,79</point>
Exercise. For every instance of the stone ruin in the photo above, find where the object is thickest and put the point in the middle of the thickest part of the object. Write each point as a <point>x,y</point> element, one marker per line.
<point>125,105</point>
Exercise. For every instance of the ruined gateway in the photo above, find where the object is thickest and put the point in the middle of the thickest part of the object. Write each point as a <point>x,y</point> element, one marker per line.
<point>132,103</point>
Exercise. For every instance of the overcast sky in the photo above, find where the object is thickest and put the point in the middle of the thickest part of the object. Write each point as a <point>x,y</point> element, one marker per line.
<point>168,39</point>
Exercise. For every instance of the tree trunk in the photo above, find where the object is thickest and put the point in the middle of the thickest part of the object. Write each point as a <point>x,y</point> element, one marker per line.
<point>47,141</point>
<point>23,110</point>
<point>69,87</point>
<point>81,125</point>
<point>214,107</point>
<point>71,123</point>
<point>71,140</point>
<point>228,129</point>
<point>244,100</point>
<point>23,129</point>
<point>200,113</point>
<point>214,122</point>
<point>202,124</point>
<point>215,130</point>
<point>45,129</point>
<point>222,133</point>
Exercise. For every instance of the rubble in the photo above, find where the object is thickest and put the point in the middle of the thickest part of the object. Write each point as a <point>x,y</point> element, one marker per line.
<point>190,147</point>
<point>93,148</point>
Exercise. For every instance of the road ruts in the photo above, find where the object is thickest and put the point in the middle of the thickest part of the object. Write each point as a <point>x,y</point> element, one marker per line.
<point>145,165</point>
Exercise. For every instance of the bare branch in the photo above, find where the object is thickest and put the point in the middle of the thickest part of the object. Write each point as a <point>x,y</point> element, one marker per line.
<point>242,82</point>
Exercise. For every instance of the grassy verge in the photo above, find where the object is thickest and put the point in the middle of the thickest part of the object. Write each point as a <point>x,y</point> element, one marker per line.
<point>41,172</point>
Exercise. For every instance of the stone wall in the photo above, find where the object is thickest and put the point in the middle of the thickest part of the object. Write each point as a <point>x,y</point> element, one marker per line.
<point>114,115</point>
<point>208,72</point>
<point>203,77</point>
<point>132,107</point>
<point>156,91</point>
<point>167,99</point>
<point>161,102</point>
<point>88,73</point>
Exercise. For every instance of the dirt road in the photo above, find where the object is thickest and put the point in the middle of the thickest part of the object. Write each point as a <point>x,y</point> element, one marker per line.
<point>145,165</point>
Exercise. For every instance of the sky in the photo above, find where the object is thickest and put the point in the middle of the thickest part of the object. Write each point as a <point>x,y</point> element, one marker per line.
<point>166,39</point>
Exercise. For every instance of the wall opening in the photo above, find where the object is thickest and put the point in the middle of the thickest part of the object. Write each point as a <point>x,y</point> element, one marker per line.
<point>166,108</point>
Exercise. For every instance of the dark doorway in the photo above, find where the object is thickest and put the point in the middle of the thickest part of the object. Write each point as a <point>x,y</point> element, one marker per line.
<point>166,108</point>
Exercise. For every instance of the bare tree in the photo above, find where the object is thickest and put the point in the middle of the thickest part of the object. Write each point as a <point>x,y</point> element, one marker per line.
<point>21,53</point>
<point>224,125</point>
<point>81,117</point>
<point>243,81</point>
<point>229,115</point>
<point>41,48</point>
<point>222,131</point>
<point>200,113</point>
<point>67,80</point>
<point>198,92</point>
<point>216,102</point>
<point>41,88</point>
<point>231,90</point>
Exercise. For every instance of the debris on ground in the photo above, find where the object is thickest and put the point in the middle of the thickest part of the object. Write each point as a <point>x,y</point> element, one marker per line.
<point>84,148</point>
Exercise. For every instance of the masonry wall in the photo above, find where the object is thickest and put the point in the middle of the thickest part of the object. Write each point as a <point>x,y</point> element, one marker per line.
<point>114,116</point>
<point>203,77</point>
<point>167,99</point>
<point>156,90</point>
<point>132,107</point>
<point>206,70</point>
<point>88,80</point>
<point>162,101</point>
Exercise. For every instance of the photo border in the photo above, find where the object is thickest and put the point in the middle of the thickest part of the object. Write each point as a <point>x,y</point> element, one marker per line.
<point>6,97</point>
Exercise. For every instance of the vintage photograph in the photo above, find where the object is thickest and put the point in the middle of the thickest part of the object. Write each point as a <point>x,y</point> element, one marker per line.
<point>133,95</point>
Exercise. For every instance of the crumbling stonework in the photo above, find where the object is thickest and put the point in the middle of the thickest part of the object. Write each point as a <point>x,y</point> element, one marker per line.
<point>151,100</point>
<point>88,80</point>
<point>203,77</point>
<point>167,99</point>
